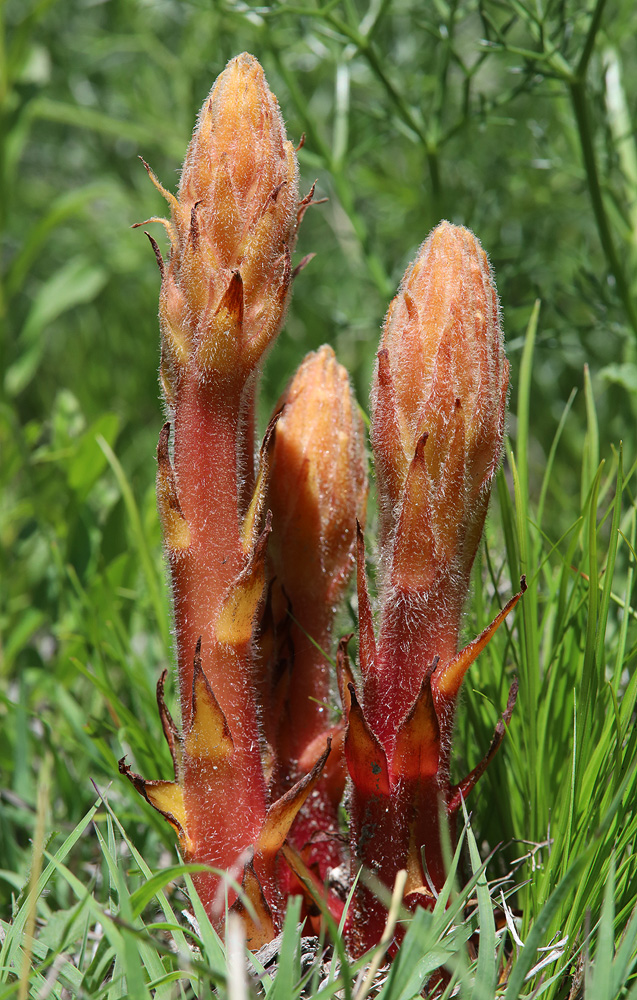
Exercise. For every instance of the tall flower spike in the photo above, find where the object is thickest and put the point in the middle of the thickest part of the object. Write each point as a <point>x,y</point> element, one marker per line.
<point>223,297</point>
<point>438,409</point>
<point>318,489</point>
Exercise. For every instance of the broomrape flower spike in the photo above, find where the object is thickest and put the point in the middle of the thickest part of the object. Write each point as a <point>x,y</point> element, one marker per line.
<point>261,543</point>
<point>318,488</point>
<point>224,292</point>
<point>438,412</point>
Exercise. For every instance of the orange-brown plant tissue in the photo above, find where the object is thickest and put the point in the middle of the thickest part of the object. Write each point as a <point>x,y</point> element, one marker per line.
<point>318,491</point>
<point>232,230</point>
<point>438,413</point>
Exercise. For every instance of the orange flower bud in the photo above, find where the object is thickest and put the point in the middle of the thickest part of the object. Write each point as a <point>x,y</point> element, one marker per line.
<point>439,400</point>
<point>233,227</point>
<point>318,482</point>
<point>318,489</point>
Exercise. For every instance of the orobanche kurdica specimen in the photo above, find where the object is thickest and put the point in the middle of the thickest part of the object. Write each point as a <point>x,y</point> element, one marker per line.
<point>262,543</point>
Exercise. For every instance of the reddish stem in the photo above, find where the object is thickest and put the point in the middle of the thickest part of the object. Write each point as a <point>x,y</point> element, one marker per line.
<point>414,629</point>
<point>206,433</point>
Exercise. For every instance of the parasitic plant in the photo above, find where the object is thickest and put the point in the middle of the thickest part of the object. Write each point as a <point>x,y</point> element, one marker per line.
<point>223,299</point>
<point>438,410</point>
<point>317,492</point>
<point>261,548</point>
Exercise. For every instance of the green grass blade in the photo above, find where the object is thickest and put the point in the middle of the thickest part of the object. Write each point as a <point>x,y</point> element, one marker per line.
<point>626,957</point>
<point>550,462</point>
<point>590,461</point>
<point>486,971</point>
<point>213,950</point>
<point>601,984</point>
<point>289,965</point>
<point>541,925</point>
<point>420,954</point>
<point>14,937</point>
<point>524,402</point>
<point>141,897</point>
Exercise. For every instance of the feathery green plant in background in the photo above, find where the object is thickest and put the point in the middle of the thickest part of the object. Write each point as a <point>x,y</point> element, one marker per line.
<point>515,119</point>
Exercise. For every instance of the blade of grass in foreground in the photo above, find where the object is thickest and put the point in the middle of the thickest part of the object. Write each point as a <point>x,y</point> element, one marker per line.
<point>539,929</point>
<point>560,896</point>
<point>486,971</point>
<point>12,945</point>
<point>289,966</point>
<point>528,559</point>
<point>127,959</point>
<point>600,981</point>
<point>132,951</point>
<point>625,961</point>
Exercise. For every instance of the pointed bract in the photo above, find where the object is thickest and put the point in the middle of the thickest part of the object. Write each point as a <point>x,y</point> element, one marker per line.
<point>237,615</point>
<point>418,739</point>
<point>174,525</point>
<point>448,677</point>
<point>283,812</point>
<point>209,735</point>
<point>365,756</point>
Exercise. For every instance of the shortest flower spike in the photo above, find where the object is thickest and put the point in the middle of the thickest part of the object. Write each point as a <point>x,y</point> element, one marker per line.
<point>318,481</point>
<point>317,490</point>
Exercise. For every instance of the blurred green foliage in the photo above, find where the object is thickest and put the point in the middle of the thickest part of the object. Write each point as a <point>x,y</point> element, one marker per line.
<point>516,119</point>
